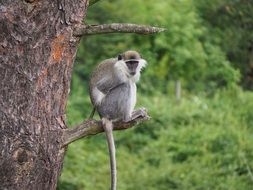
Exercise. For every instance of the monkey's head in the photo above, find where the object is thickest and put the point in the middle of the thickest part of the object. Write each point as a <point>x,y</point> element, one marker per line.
<point>131,63</point>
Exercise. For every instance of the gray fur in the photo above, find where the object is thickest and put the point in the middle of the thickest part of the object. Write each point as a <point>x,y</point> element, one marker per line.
<point>105,70</point>
<point>113,93</point>
<point>116,103</point>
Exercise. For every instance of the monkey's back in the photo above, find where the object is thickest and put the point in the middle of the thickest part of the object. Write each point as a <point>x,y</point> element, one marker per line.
<point>102,70</point>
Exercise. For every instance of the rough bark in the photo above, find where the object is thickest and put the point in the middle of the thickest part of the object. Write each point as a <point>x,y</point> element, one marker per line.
<point>37,50</point>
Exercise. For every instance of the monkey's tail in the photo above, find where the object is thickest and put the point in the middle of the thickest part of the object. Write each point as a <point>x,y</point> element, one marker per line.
<point>108,127</point>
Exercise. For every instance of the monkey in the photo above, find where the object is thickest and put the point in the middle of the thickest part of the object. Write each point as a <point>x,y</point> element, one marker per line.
<point>112,92</point>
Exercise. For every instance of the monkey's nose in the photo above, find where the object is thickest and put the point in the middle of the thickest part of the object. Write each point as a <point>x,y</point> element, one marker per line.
<point>132,73</point>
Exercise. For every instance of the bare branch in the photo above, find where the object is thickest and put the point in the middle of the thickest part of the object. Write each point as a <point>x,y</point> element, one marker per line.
<point>85,30</point>
<point>93,127</point>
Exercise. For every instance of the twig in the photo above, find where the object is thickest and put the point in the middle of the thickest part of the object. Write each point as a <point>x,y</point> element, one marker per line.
<point>85,30</point>
<point>93,127</point>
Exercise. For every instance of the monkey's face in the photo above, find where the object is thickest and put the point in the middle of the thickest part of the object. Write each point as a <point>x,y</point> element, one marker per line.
<point>132,62</point>
<point>132,66</point>
<point>129,65</point>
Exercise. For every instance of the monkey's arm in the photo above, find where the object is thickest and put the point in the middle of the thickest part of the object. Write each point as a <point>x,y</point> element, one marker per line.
<point>106,85</point>
<point>102,89</point>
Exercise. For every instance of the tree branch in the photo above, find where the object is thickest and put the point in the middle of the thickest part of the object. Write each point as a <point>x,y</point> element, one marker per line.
<point>85,30</point>
<point>93,127</point>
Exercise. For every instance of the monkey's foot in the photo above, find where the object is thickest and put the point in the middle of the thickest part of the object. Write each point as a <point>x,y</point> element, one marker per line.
<point>142,112</point>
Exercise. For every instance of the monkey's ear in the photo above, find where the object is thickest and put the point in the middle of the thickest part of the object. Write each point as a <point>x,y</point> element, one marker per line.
<point>120,57</point>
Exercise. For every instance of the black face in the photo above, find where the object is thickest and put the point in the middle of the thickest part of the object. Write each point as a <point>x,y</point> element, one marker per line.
<point>132,65</point>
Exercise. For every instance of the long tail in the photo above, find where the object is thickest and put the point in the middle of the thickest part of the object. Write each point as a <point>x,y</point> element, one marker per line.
<point>108,127</point>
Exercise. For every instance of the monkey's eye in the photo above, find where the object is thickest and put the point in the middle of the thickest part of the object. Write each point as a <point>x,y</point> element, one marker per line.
<point>120,57</point>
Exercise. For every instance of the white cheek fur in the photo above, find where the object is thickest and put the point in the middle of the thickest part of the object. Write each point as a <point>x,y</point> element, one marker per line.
<point>141,65</point>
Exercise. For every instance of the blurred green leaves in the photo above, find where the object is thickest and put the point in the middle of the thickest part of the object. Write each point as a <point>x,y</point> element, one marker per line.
<point>187,51</point>
<point>206,141</point>
<point>201,143</point>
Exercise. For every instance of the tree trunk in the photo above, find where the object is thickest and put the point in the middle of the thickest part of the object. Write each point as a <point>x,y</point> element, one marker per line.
<point>37,51</point>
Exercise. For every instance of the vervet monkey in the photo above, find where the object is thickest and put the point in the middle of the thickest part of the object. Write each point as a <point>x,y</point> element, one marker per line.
<point>113,94</point>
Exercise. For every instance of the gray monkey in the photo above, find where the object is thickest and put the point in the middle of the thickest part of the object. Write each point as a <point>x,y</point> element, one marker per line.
<point>113,94</point>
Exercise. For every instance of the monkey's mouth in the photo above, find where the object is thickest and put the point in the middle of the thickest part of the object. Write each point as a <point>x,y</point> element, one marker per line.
<point>132,73</point>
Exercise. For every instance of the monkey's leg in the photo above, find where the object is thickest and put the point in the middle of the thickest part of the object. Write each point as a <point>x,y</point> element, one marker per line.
<point>108,128</point>
<point>92,113</point>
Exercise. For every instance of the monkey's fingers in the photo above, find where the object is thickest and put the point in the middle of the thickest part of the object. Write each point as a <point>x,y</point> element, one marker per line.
<point>142,112</point>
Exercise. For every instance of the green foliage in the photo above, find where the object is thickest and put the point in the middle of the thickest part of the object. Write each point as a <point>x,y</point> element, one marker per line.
<point>201,143</point>
<point>205,142</point>
<point>185,51</point>
<point>230,24</point>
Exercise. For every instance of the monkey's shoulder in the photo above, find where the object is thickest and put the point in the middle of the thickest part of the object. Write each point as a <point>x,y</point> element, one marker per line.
<point>108,63</point>
<point>103,69</point>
